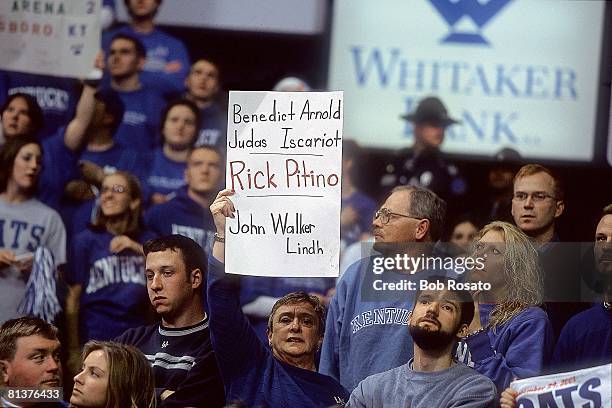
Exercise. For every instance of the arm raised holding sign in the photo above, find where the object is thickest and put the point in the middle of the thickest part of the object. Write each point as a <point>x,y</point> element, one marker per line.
<point>283,372</point>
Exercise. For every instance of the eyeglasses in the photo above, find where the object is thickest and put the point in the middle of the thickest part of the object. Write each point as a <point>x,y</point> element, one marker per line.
<point>115,188</point>
<point>479,248</point>
<point>535,197</point>
<point>385,215</point>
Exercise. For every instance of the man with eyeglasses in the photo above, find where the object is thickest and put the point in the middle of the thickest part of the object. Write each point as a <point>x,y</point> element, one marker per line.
<point>366,328</point>
<point>537,203</point>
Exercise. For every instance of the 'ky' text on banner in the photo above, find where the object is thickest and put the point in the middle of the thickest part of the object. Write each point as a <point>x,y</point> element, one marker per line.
<point>51,37</point>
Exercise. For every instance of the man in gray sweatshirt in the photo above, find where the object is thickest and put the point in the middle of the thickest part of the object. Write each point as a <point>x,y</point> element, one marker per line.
<point>431,379</point>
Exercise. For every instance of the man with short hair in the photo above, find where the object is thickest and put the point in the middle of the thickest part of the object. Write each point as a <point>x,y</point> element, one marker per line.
<point>29,355</point>
<point>537,203</point>
<point>188,212</point>
<point>586,339</point>
<point>431,378</point>
<point>203,87</point>
<point>179,348</point>
<point>364,318</point>
<point>423,164</point>
<point>143,104</point>
<point>167,59</point>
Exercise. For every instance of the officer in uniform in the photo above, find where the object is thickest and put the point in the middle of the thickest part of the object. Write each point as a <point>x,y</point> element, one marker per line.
<point>423,164</point>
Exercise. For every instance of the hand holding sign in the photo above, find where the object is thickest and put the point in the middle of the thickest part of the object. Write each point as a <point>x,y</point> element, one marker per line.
<point>222,208</point>
<point>508,398</point>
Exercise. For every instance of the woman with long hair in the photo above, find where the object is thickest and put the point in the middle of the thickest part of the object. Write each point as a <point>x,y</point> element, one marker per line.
<point>25,223</point>
<point>108,292</point>
<point>113,375</point>
<point>179,130</point>
<point>510,336</point>
<point>20,116</point>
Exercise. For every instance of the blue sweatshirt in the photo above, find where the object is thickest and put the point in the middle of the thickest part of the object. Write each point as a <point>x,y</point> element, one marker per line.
<point>183,361</point>
<point>521,348</point>
<point>585,341</point>
<point>183,216</point>
<point>114,295</point>
<point>366,331</point>
<point>167,63</point>
<point>250,372</point>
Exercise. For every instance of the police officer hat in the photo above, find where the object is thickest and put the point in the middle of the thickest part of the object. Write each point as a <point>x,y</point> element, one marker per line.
<point>431,110</point>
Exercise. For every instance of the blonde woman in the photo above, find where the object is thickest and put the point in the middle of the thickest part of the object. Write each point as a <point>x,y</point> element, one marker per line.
<point>113,376</point>
<point>510,336</point>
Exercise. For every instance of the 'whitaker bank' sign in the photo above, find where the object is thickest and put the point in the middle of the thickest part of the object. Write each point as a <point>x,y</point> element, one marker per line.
<point>512,77</point>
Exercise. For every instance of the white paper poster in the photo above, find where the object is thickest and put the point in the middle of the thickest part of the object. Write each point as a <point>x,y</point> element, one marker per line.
<point>588,388</point>
<point>50,37</point>
<point>284,152</point>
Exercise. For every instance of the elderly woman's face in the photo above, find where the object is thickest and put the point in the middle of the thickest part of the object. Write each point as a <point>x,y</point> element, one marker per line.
<point>295,332</point>
<point>16,118</point>
<point>91,383</point>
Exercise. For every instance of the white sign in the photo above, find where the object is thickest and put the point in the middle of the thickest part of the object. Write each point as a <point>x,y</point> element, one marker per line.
<point>284,152</point>
<point>50,37</point>
<point>517,73</point>
<point>274,16</point>
<point>583,388</point>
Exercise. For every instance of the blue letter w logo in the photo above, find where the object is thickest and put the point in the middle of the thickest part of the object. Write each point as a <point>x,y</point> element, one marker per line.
<point>478,11</point>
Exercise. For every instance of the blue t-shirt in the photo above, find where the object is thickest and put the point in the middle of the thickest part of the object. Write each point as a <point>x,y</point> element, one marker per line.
<point>165,176</point>
<point>167,63</point>
<point>182,216</point>
<point>114,295</point>
<point>250,372</point>
<point>57,97</point>
<point>140,125</point>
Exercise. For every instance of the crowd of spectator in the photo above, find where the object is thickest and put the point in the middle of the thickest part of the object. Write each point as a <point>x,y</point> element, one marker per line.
<point>112,221</point>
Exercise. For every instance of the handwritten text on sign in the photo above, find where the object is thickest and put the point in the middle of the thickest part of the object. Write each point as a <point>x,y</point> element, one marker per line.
<point>284,152</point>
<point>582,388</point>
<point>51,37</point>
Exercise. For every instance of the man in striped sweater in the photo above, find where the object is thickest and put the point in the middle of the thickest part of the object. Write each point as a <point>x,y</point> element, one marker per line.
<point>179,347</point>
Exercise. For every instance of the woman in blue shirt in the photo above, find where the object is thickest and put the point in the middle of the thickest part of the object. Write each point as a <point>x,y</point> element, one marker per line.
<point>510,336</point>
<point>108,292</point>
